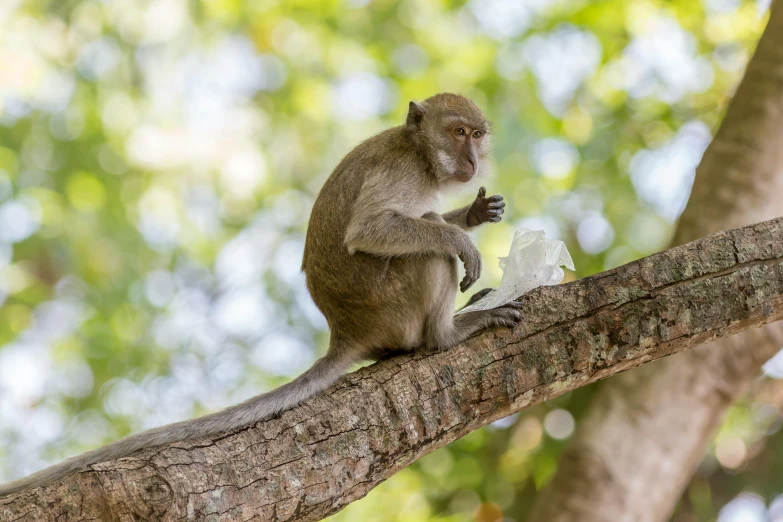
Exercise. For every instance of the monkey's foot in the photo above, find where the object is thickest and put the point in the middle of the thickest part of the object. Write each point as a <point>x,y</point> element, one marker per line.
<point>506,315</point>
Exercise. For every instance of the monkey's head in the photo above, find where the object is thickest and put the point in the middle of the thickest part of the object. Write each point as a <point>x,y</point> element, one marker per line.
<point>453,133</point>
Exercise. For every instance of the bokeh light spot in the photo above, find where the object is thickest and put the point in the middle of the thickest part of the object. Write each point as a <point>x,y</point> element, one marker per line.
<point>559,424</point>
<point>86,192</point>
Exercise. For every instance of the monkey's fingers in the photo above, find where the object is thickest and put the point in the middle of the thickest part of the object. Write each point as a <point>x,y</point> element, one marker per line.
<point>506,317</point>
<point>472,273</point>
<point>478,295</point>
<point>496,219</point>
<point>496,204</point>
<point>482,192</point>
<point>496,197</point>
<point>495,211</point>
<point>466,283</point>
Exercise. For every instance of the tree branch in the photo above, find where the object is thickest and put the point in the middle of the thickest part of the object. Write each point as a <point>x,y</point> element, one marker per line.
<point>313,460</point>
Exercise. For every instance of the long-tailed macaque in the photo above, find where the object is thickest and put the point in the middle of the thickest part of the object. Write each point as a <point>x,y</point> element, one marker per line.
<point>380,263</point>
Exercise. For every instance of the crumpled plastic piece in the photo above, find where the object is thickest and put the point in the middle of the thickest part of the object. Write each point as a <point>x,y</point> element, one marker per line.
<point>533,261</point>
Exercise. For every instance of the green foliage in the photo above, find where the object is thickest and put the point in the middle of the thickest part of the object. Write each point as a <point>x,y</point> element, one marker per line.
<point>158,160</point>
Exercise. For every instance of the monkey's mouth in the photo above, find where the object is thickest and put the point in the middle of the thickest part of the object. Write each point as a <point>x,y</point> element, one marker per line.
<point>466,171</point>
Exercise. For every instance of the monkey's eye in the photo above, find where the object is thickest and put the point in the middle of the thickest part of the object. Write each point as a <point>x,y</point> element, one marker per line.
<point>460,131</point>
<point>477,134</point>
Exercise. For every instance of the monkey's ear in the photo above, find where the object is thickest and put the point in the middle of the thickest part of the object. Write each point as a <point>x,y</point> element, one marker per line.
<point>416,112</point>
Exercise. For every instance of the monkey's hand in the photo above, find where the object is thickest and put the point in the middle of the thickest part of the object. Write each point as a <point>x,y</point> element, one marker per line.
<point>471,258</point>
<point>485,209</point>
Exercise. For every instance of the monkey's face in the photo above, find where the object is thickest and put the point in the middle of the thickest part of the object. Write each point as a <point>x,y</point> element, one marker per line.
<point>468,143</point>
<point>459,146</point>
<point>456,134</point>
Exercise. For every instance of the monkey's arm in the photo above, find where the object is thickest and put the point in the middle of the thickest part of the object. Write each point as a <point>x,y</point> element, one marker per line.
<point>482,209</point>
<point>458,217</point>
<point>390,233</point>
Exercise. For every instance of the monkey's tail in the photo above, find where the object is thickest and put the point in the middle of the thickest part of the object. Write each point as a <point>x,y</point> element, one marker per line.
<point>320,376</point>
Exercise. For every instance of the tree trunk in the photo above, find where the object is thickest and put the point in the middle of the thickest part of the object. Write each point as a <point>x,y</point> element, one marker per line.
<point>313,460</point>
<point>639,444</point>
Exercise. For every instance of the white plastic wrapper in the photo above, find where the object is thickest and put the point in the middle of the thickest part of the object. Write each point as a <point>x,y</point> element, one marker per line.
<point>532,262</point>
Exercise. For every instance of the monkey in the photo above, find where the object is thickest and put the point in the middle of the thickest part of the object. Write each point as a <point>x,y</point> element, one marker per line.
<point>379,262</point>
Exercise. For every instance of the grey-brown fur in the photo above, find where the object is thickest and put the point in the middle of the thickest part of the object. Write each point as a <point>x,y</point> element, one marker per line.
<point>380,263</point>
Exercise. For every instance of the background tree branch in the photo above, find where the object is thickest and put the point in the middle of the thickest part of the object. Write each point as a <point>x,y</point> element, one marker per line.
<point>313,460</point>
<point>634,453</point>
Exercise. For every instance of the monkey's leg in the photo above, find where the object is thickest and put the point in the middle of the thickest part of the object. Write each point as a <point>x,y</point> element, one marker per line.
<point>458,328</point>
<point>433,216</point>
<point>443,329</point>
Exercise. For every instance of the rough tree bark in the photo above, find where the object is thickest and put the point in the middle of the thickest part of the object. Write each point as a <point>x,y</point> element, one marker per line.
<point>643,436</point>
<point>313,460</point>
